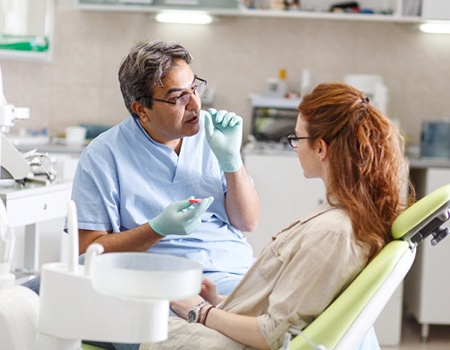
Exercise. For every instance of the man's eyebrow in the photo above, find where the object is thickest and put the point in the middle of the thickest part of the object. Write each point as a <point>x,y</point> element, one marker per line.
<point>171,91</point>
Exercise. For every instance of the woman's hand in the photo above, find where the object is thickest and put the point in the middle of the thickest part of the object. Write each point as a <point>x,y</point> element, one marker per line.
<point>209,292</point>
<point>182,307</point>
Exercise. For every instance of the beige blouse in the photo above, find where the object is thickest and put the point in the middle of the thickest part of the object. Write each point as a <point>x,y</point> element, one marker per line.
<point>296,277</point>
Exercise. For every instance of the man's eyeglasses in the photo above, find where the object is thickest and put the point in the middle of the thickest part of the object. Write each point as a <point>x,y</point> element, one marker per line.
<point>293,139</point>
<point>184,99</point>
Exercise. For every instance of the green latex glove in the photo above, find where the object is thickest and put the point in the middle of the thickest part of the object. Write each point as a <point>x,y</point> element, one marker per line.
<point>180,218</point>
<point>224,135</point>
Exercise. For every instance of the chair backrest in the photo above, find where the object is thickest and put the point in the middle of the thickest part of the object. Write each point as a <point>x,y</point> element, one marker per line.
<point>346,321</point>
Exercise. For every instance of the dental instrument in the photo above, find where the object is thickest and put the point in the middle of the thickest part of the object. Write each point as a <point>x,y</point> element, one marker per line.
<point>196,201</point>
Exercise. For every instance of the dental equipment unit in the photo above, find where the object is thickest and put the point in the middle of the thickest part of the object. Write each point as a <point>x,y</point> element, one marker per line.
<point>14,165</point>
<point>114,297</point>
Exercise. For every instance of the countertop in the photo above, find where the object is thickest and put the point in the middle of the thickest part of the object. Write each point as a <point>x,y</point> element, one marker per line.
<point>266,148</point>
<point>18,191</point>
<point>45,144</point>
<point>428,162</point>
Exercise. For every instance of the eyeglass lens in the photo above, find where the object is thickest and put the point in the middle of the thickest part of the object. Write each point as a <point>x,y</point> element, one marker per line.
<point>197,90</point>
<point>293,142</point>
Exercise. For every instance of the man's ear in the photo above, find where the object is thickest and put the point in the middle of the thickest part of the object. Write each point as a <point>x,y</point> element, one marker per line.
<point>139,109</point>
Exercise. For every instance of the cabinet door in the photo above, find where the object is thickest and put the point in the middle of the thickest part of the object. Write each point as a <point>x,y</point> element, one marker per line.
<point>436,9</point>
<point>284,193</point>
<point>427,286</point>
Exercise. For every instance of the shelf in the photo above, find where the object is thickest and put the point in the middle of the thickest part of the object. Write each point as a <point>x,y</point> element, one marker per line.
<point>13,55</point>
<point>242,11</point>
<point>266,101</point>
<point>329,16</point>
<point>221,7</point>
<point>153,9</point>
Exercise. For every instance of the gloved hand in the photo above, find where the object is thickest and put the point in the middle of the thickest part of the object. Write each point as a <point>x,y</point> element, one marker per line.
<point>224,135</point>
<point>180,218</point>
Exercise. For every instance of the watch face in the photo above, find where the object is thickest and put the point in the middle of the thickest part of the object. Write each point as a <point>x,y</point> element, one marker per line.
<point>192,316</point>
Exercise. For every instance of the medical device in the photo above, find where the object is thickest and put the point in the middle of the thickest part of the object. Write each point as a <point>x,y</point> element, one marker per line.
<point>114,297</point>
<point>14,165</point>
<point>8,112</point>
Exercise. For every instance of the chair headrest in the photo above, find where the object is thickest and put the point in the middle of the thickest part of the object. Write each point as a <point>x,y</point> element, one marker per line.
<point>423,217</point>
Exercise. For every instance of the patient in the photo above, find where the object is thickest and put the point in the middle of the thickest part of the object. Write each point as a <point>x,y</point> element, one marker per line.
<point>358,153</point>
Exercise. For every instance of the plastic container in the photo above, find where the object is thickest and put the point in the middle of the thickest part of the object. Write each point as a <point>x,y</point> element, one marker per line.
<point>75,135</point>
<point>146,276</point>
<point>435,139</point>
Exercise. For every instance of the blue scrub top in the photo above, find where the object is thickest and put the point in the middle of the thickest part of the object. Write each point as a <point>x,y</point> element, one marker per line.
<point>124,178</point>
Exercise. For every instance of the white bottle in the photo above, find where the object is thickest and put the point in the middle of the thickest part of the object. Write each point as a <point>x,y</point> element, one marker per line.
<point>305,82</point>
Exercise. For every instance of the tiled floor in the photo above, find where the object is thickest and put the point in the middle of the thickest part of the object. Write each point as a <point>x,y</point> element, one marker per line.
<point>439,338</point>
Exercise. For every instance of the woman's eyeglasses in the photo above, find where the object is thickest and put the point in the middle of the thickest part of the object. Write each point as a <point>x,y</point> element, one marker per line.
<point>293,139</point>
<point>184,99</point>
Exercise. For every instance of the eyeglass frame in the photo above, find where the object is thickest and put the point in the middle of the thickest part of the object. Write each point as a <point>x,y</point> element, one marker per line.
<point>203,82</point>
<point>294,138</point>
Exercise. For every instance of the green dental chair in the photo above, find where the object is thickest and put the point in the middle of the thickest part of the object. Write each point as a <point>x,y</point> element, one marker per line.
<point>344,324</point>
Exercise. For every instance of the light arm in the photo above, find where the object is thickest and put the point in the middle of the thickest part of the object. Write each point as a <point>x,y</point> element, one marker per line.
<point>243,329</point>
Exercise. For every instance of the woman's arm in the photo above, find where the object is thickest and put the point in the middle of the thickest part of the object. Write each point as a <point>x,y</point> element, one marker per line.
<point>243,329</point>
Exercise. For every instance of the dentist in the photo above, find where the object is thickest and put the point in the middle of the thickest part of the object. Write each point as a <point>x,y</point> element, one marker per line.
<point>134,182</point>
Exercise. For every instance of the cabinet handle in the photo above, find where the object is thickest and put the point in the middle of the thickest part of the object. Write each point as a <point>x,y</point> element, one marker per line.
<point>45,206</point>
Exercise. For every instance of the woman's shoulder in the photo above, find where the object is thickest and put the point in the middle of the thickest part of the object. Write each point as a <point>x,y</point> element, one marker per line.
<point>326,214</point>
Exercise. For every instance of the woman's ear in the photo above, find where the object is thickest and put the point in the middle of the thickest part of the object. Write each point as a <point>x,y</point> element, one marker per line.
<point>322,149</point>
<point>139,109</point>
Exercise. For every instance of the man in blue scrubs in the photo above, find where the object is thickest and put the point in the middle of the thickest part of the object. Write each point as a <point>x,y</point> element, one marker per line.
<point>133,182</point>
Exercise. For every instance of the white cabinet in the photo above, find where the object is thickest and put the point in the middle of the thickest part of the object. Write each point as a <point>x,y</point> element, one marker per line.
<point>31,205</point>
<point>26,29</point>
<point>427,286</point>
<point>436,9</point>
<point>283,191</point>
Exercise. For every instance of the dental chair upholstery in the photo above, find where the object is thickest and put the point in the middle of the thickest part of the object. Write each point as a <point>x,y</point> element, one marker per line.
<point>344,324</point>
<point>90,347</point>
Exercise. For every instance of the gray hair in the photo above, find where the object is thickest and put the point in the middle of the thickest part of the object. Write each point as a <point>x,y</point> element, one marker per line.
<point>146,65</point>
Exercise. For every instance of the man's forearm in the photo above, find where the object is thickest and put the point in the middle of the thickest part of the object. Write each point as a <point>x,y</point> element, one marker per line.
<point>138,239</point>
<point>242,201</point>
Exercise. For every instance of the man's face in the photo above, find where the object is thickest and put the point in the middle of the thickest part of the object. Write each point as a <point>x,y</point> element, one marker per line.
<point>167,123</point>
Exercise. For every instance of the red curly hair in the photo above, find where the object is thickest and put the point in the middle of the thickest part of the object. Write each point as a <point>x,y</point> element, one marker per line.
<point>368,172</point>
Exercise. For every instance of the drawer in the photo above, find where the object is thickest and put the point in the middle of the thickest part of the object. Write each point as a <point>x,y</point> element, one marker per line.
<point>41,207</point>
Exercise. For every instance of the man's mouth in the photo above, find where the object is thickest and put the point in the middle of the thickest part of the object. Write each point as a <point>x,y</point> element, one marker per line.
<point>192,120</point>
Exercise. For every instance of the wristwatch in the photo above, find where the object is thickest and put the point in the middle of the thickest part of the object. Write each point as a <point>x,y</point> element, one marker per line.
<point>194,313</point>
